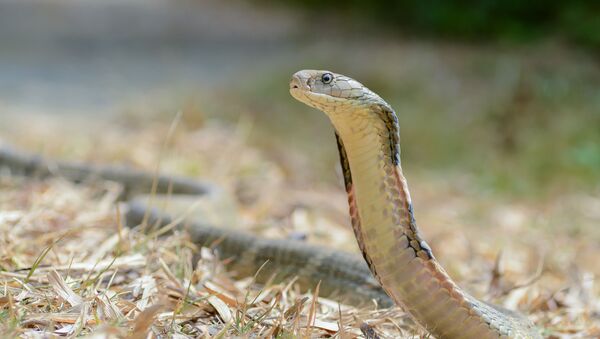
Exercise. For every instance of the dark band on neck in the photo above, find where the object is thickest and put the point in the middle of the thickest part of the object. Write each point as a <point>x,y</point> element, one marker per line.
<point>344,163</point>
<point>388,116</point>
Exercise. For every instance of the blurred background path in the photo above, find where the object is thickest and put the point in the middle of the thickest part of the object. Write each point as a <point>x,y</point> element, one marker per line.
<point>99,57</point>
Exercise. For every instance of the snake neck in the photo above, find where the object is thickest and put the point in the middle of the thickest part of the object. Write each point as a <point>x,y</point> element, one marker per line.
<point>380,203</point>
<point>387,234</point>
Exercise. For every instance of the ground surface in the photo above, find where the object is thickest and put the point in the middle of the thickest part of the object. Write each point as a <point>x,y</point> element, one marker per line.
<point>69,268</point>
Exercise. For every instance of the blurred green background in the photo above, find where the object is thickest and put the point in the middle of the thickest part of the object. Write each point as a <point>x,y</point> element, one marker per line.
<point>504,92</point>
<point>476,20</point>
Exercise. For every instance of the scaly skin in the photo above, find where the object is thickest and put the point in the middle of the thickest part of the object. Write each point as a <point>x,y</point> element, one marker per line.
<point>368,138</point>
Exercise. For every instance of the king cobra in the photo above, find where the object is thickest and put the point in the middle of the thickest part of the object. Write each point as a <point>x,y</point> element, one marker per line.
<point>368,138</point>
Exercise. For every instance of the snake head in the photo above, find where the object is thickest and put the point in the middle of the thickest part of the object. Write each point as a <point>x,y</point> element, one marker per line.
<point>330,92</point>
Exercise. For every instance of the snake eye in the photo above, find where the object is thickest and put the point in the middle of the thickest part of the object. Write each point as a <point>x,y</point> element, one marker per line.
<point>327,78</point>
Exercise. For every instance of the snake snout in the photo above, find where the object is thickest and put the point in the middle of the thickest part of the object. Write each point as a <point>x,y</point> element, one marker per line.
<point>300,81</point>
<point>296,83</point>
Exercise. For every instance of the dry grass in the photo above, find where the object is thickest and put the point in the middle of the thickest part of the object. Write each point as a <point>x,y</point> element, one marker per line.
<point>69,268</point>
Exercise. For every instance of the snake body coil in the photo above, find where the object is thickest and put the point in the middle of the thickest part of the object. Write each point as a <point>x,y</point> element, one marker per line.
<point>341,274</point>
<point>368,138</point>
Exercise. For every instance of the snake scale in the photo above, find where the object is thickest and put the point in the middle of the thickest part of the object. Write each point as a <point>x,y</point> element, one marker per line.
<point>398,266</point>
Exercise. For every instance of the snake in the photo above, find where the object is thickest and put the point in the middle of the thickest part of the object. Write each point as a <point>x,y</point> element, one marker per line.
<point>368,138</point>
<point>397,266</point>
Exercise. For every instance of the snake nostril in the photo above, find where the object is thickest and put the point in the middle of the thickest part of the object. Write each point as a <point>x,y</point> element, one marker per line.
<point>295,83</point>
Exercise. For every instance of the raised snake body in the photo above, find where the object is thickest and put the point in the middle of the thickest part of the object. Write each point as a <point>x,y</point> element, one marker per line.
<point>367,132</point>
